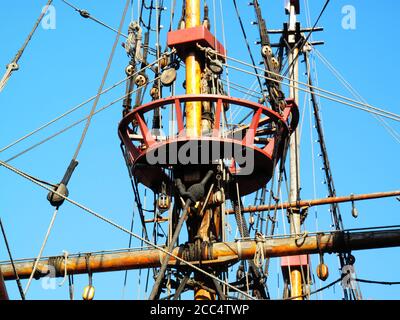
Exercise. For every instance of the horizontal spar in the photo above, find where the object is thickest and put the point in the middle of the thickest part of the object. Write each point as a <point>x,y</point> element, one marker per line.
<point>320,202</point>
<point>220,253</point>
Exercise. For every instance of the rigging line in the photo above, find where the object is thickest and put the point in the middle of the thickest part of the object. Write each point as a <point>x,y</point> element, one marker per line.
<point>355,93</point>
<point>60,117</point>
<point>85,14</point>
<point>53,218</point>
<point>13,66</point>
<point>224,42</point>
<point>301,83</point>
<point>247,45</point>
<point>316,291</point>
<point>21,291</point>
<point>68,128</point>
<point>381,112</point>
<point>85,130</point>
<point>308,36</point>
<point>114,224</point>
<point>386,283</point>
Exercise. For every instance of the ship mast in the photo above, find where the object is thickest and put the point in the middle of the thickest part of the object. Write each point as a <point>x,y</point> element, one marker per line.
<point>294,146</point>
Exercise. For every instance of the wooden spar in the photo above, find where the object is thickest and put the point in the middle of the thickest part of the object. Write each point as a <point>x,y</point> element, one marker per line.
<point>319,202</point>
<point>331,242</point>
<point>3,289</point>
<point>309,203</point>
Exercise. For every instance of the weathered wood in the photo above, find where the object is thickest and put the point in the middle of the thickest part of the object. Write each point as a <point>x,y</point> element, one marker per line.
<point>3,289</point>
<point>319,202</point>
<point>221,253</point>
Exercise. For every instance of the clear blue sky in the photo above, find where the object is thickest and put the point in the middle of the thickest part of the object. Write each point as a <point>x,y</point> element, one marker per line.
<point>63,67</point>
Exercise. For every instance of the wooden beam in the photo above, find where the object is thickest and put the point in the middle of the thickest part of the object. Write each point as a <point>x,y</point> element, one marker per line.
<point>221,253</point>
<point>320,202</point>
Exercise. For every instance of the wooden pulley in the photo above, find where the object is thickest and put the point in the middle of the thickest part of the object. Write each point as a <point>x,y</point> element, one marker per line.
<point>216,66</point>
<point>322,271</point>
<point>154,93</point>
<point>275,63</point>
<point>163,61</point>
<point>168,77</point>
<point>88,293</point>
<point>140,80</point>
<point>266,51</point>
<point>130,70</point>
<point>354,210</point>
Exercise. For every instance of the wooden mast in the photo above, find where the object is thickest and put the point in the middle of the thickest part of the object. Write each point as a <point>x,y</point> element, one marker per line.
<point>193,73</point>
<point>295,220</point>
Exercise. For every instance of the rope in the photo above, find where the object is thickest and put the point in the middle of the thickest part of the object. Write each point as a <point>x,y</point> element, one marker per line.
<point>78,107</point>
<point>66,254</point>
<point>316,291</point>
<point>307,38</point>
<point>21,291</point>
<point>247,44</point>
<point>114,224</point>
<point>41,249</point>
<point>85,130</point>
<point>395,117</point>
<point>13,66</point>
<point>87,15</point>
<point>354,92</point>
<point>380,112</point>
<point>386,283</point>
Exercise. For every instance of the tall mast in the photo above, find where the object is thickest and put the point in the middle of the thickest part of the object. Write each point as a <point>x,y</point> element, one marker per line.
<point>294,195</point>
<point>193,73</point>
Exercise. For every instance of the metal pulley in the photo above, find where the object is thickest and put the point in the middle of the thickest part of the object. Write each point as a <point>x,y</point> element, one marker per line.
<point>168,77</point>
<point>140,80</point>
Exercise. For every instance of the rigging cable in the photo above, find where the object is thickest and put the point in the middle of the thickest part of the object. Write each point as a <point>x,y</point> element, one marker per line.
<point>13,66</point>
<point>66,129</point>
<point>102,82</point>
<point>37,260</point>
<point>303,43</point>
<point>354,103</point>
<point>21,291</point>
<point>121,228</point>
<point>355,93</point>
<point>247,44</point>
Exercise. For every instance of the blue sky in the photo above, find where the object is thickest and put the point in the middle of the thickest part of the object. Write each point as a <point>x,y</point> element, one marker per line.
<point>62,67</point>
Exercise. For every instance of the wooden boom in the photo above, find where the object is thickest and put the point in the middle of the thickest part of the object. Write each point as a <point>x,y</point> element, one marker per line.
<point>220,253</point>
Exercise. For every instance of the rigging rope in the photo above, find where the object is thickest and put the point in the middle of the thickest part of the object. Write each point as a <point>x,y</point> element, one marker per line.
<point>85,130</point>
<point>21,291</point>
<point>53,218</point>
<point>114,224</point>
<point>303,43</point>
<point>68,128</point>
<point>13,66</point>
<point>388,114</point>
